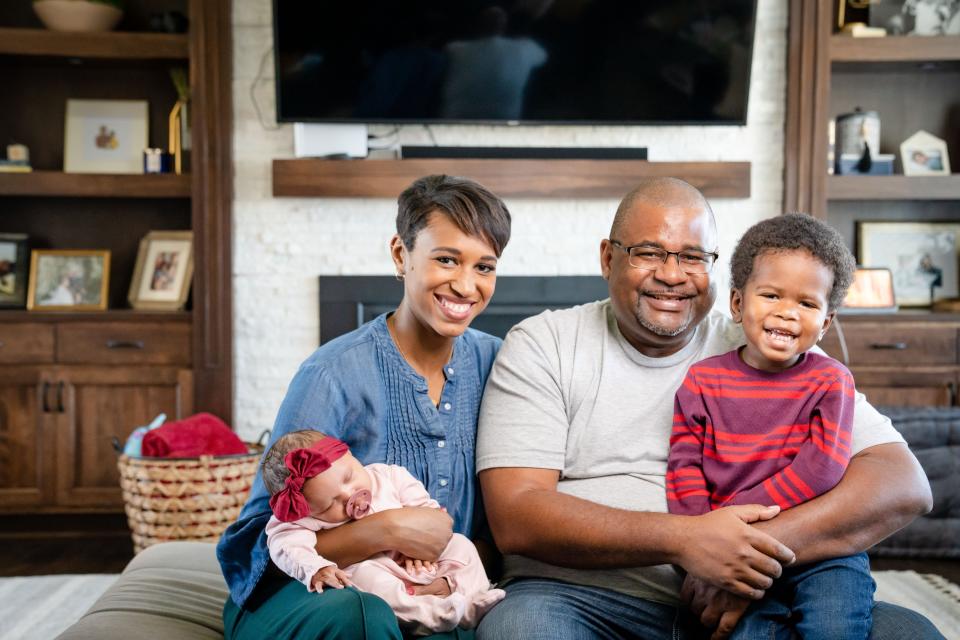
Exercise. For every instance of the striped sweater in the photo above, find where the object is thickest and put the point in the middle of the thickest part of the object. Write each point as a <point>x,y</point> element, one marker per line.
<point>744,436</point>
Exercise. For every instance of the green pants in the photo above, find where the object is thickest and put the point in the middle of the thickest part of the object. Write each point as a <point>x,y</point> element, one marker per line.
<point>285,610</point>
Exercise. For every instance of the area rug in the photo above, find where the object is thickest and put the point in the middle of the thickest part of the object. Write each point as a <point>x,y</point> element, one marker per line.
<point>41,607</point>
<point>926,593</point>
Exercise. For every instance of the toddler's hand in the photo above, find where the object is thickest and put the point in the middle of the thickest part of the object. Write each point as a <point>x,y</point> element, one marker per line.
<point>330,576</point>
<point>415,566</point>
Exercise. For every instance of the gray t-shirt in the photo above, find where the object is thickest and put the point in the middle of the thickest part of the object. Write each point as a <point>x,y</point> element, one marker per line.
<point>568,392</point>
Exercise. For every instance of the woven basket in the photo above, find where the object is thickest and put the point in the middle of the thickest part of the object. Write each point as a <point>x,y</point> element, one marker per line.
<point>185,498</point>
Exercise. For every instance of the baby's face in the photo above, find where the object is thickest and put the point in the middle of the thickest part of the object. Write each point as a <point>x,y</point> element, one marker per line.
<point>783,308</point>
<point>329,493</point>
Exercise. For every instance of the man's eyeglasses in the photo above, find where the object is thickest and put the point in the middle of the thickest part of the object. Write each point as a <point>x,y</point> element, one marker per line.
<point>645,256</point>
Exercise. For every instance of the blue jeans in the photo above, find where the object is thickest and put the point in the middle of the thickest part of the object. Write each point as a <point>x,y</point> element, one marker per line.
<point>539,609</point>
<point>832,599</point>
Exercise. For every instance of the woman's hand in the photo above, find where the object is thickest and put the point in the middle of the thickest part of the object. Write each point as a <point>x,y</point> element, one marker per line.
<point>420,533</point>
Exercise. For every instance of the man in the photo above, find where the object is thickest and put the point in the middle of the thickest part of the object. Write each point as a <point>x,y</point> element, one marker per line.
<point>573,442</point>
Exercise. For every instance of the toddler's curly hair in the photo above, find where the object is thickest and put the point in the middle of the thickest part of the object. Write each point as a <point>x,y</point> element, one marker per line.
<point>790,232</point>
<point>273,467</point>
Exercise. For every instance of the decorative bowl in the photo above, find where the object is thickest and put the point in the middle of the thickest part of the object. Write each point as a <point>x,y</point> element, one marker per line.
<point>77,15</point>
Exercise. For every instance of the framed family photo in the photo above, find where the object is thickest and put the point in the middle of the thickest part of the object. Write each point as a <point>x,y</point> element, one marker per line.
<point>924,154</point>
<point>164,271</point>
<point>14,264</point>
<point>921,255</point>
<point>68,280</point>
<point>105,136</point>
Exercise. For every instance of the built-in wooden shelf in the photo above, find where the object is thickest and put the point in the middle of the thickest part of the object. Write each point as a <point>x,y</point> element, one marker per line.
<point>895,49</point>
<point>95,185</point>
<point>310,177</point>
<point>893,187</point>
<point>113,44</point>
<point>111,315</point>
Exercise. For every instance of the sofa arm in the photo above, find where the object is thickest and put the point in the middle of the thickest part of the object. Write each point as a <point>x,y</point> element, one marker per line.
<point>933,434</point>
<point>170,590</point>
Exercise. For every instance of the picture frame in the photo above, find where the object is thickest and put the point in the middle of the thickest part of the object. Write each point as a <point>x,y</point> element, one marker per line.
<point>924,154</point>
<point>14,269</point>
<point>923,257</point>
<point>163,271</point>
<point>916,17</point>
<point>105,136</point>
<point>871,292</point>
<point>69,280</point>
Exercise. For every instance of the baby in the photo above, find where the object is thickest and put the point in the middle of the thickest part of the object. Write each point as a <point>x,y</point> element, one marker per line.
<point>315,483</point>
<point>770,423</point>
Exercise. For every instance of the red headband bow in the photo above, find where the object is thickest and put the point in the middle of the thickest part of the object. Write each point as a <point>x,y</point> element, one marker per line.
<point>289,504</point>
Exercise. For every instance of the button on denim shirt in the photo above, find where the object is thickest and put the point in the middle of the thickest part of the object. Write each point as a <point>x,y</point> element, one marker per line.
<point>359,389</point>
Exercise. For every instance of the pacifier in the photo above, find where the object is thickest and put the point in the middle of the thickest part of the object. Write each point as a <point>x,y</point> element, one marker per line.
<point>359,504</point>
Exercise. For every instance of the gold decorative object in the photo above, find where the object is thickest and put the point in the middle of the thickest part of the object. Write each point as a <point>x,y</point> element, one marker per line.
<point>174,145</point>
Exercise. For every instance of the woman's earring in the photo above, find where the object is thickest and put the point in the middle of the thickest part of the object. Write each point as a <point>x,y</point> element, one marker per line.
<point>399,276</point>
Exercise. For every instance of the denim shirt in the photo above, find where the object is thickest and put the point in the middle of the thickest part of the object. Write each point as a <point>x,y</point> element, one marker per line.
<point>359,389</point>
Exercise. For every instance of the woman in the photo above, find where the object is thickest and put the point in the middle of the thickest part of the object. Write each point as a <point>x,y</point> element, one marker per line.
<point>403,389</point>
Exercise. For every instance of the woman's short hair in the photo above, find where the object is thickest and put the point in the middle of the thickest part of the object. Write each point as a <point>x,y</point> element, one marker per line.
<point>790,232</point>
<point>471,206</point>
<point>274,467</point>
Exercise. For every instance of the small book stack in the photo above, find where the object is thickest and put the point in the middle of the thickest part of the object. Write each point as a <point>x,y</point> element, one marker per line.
<point>14,166</point>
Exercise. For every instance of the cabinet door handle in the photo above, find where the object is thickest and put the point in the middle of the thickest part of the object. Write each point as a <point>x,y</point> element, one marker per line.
<point>60,397</point>
<point>891,346</point>
<point>124,344</point>
<point>951,394</point>
<point>43,394</point>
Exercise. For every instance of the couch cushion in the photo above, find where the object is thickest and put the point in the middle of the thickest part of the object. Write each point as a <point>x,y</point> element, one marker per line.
<point>170,590</point>
<point>933,434</point>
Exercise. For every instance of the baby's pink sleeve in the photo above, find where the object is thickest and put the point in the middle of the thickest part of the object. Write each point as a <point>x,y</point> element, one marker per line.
<point>292,550</point>
<point>411,491</point>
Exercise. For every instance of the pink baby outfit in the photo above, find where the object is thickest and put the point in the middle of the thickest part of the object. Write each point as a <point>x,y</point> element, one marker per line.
<point>291,546</point>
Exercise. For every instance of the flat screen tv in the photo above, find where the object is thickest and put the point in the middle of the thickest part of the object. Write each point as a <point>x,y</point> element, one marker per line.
<point>514,61</point>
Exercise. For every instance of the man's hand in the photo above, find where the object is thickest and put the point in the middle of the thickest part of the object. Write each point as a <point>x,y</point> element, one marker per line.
<point>419,532</point>
<point>717,609</point>
<point>330,576</point>
<point>722,549</point>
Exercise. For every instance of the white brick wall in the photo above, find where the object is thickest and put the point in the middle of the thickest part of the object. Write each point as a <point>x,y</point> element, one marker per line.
<point>282,245</point>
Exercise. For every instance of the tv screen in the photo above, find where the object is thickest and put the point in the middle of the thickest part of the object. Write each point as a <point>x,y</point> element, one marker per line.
<point>514,61</point>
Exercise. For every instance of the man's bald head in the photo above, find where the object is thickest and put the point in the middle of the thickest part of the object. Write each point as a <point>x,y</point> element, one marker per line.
<point>662,193</point>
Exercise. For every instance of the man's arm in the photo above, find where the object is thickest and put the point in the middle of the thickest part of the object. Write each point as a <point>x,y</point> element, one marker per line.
<point>883,490</point>
<point>530,517</point>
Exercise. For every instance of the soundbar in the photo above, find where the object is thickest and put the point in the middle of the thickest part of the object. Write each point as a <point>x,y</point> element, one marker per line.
<point>526,153</point>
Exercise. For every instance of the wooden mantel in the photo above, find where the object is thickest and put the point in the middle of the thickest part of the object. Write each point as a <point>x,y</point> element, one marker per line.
<point>514,178</point>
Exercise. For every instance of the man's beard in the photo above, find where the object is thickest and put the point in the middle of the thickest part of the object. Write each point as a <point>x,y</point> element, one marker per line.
<point>656,329</point>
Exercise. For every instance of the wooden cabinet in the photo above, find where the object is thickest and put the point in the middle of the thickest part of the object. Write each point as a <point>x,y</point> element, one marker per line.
<point>57,420</point>
<point>95,404</point>
<point>25,462</point>
<point>70,381</point>
<point>906,359</point>
<point>44,69</point>
<point>913,82</point>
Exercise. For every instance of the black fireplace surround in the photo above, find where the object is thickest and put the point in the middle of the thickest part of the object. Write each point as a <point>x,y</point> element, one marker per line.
<point>346,302</point>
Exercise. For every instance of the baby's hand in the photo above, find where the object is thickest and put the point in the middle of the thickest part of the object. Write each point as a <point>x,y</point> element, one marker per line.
<point>332,577</point>
<point>415,566</point>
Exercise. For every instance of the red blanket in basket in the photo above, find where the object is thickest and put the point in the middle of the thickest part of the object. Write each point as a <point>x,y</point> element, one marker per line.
<point>198,435</point>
